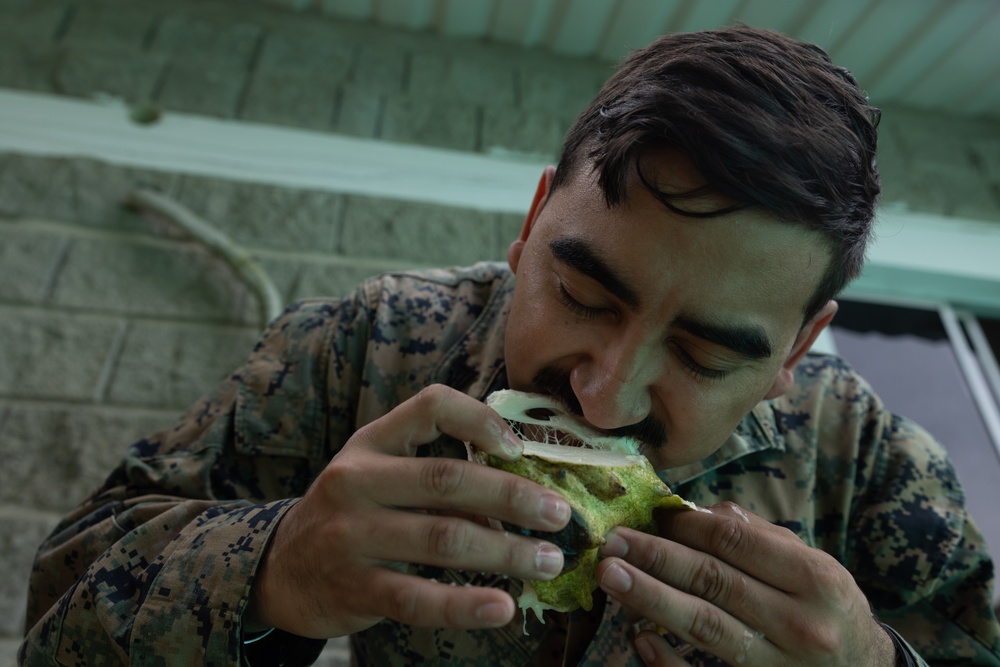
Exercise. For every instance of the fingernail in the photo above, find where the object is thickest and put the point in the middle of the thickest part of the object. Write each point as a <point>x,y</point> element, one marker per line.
<point>512,444</point>
<point>616,579</point>
<point>614,545</point>
<point>548,560</point>
<point>645,650</point>
<point>492,613</point>
<point>554,509</point>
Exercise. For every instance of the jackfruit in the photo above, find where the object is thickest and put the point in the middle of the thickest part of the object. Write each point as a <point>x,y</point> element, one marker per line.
<point>606,481</point>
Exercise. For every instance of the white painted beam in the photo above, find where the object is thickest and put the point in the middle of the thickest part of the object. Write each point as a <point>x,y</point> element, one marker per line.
<point>42,124</point>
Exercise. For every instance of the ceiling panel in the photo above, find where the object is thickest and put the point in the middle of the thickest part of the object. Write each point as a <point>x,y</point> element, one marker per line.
<point>633,24</point>
<point>932,54</point>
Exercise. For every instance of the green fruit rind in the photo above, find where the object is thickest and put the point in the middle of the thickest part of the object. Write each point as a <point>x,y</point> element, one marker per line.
<point>607,489</point>
<point>606,480</point>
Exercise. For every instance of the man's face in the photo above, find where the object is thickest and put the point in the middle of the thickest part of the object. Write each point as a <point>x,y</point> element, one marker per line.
<point>667,327</point>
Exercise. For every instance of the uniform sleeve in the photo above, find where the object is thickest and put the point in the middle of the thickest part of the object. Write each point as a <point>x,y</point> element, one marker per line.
<point>919,555</point>
<point>156,566</point>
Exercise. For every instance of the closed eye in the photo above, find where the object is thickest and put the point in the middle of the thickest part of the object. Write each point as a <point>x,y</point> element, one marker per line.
<point>696,369</point>
<point>582,311</point>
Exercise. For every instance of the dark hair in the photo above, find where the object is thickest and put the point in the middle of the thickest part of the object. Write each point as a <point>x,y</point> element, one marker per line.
<point>768,121</point>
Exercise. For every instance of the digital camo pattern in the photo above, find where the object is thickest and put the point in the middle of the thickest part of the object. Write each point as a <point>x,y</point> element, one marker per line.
<point>155,568</point>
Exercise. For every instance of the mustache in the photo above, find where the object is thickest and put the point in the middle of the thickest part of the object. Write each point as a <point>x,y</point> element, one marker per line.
<point>650,432</point>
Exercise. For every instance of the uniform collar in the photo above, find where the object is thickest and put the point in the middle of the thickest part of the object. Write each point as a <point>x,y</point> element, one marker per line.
<point>475,364</point>
<point>757,432</point>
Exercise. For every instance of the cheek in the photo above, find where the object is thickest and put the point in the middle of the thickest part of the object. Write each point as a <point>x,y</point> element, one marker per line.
<point>702,418</point>
<point>528,340</point>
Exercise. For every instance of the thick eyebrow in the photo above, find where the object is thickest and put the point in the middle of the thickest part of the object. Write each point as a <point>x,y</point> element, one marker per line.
<point>581,257</point>
<point>747,341</point>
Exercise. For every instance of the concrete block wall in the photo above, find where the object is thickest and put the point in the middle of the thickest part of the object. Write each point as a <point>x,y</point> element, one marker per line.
<point>111,323</point>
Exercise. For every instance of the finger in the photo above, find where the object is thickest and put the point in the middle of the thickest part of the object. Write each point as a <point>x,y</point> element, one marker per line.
<point>707,578</point>
<point>686,616</point>
<point>693,572</point>
<point>655,650</point>
<point>438,410</point>
<point>444,484</point>
<point>455,543</point>
<point>430,604</point>
<point>766,552</point>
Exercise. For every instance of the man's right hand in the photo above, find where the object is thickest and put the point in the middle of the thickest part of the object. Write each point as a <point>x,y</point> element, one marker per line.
<point>336,562</point>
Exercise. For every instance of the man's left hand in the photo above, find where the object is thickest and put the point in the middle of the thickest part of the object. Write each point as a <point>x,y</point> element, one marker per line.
<point>746,591</point>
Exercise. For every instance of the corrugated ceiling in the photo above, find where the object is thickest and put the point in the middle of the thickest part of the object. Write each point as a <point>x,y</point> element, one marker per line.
<point>932,54</point>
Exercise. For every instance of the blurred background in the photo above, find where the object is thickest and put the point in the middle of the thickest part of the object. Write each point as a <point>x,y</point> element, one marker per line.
<point>336,139</point>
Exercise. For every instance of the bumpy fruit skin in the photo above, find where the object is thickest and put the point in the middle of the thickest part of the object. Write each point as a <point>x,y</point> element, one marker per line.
<point>605,479</point>
<point>616,490</point>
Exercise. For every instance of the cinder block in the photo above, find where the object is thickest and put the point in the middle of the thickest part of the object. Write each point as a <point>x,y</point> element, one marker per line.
<point>171,365</point>
<point>380,66</point>
<point>927,137</point>
<point>35,21</point>
<point>265,216</point>
<point>27,260</point>
<point>225,43</point>
<point>987,152</point>
<point>282,98</point>
<point>26,65</point>
<point>99,190</point>
<point>89,70</point>
<point>948,191</point>
<point>425,234</point>
<point>445,124</point>
<point>53,356</point>
<point>205,88</point>
<point>152,279</point>
<point>304,277</point>
<point>528,131</point>
<point>21,533</point>
<point>360,110</point>
<point>76,190</point>
<point>54,457</point>
<point>314,50</point>
<point>110,25</point>
<point>464,76</point>
<point>37,186</point>
<point>561,86</point>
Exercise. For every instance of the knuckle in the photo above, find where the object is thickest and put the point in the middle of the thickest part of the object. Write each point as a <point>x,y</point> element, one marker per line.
<point>431,397</point>
<point>447,538</point>
<point>442,477</point>
<point>654,560</point>
<point>513,492</point>
<point>336,473</point>
<point>730,539</point>
<point>404,603</point>
<point>822,640</point>
<point>710,581</point>
<point>706,627</point>
<point>822,575</point>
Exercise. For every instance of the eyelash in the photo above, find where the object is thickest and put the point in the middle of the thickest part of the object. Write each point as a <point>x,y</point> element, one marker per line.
<point>578,309</point>
<point>697,369</point>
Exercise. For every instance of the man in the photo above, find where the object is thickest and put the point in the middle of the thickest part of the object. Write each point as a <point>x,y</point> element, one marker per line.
<point>668,282</point>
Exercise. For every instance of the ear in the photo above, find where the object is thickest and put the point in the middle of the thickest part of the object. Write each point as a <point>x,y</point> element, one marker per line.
<point>537,204</point>
<point>803,342</point>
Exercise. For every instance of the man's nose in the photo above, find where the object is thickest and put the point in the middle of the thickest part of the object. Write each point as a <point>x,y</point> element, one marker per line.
<point>614,390</point>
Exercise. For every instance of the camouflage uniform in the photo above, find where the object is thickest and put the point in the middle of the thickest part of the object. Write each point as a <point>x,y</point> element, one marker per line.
<point>155,568</point>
